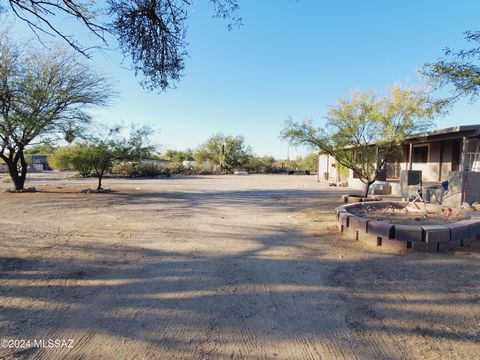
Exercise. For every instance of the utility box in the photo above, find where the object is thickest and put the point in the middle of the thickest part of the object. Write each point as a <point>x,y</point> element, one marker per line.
<point>434,194</point>
<point>380,188</point>
<point>408,179</point>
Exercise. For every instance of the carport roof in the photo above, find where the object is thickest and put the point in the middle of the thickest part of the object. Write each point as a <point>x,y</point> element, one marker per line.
<point>453,132</point>
<point>448,133</point>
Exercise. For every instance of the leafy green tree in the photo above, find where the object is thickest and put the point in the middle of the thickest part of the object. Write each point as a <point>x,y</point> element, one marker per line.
<point>42,95</point>
<point>309,162</point>
<point>458,68</point>
<point>113,147</point>
<point>226,152</point>
<point>151,32</point>
<point>72,157</point>
<point>98,154</point>
<point>178,156</point>
<point>259,164</point>
<point>357,130</point>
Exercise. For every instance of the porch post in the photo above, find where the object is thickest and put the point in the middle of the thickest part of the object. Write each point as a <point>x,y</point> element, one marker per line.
<point>410,154</point>
<point>441,161</point>
<point>463,157</point>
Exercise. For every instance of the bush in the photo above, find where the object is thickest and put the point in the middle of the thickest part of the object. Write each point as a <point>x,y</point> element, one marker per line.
<point>72,157</point>
<point>140,170</point>
<point>178,169</point>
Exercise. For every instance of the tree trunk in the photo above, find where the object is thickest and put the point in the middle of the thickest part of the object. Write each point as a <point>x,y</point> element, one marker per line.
<point>368,187</point>
<point>18,177</point>
<point>100,176</point>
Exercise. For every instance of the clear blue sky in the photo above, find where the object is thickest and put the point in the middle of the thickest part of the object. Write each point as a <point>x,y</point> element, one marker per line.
<point>291,58</point>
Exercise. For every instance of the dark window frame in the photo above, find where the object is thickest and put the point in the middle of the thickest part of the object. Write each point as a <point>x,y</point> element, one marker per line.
<point>423,156</point>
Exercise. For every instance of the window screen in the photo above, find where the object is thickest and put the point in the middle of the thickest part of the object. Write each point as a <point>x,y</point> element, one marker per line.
<point>420,154</point>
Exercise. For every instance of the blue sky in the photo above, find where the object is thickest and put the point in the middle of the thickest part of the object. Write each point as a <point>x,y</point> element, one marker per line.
<point>290,58</point>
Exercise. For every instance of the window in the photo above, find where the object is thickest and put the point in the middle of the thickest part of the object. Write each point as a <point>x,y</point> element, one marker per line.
<point>420,154</point>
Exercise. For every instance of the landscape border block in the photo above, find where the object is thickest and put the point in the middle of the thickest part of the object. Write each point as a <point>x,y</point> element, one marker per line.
<point>391,236</point>
<point>436,233</point>
<point>408,232</point>
<point>382,229</point>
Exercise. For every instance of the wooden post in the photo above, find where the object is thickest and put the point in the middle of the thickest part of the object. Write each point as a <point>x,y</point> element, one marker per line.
<point>463,156</point>
<point>410,157</point>
<point>463,173</point>
<point>441,161</point>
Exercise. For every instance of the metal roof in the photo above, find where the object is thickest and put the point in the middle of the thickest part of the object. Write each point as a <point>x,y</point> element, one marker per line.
<point>473,129</point>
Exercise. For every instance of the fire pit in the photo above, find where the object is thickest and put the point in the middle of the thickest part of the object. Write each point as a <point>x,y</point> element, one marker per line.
<point>405,226</point>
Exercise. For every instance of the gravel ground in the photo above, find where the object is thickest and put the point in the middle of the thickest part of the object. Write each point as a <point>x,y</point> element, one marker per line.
<point>218,267</point>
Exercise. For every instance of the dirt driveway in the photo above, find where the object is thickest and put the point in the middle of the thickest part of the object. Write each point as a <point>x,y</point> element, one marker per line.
<point>221,267</point>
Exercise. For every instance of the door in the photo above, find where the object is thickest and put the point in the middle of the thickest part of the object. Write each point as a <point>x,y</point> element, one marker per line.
<point>456,152</point>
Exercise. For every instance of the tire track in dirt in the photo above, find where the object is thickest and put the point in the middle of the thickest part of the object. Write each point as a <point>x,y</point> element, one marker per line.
<point>369,327</point>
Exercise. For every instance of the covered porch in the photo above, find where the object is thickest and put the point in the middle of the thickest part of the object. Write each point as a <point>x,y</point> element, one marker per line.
<point>438,153</point>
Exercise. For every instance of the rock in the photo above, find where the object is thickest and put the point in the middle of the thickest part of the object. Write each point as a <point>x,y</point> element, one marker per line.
<point>99,191</point>
<point>26,190</point>
<point>466,206</point>
<point>476,206</point>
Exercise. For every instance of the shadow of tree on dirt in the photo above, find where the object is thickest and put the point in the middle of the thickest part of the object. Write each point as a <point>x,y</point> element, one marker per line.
<point>241,304</point>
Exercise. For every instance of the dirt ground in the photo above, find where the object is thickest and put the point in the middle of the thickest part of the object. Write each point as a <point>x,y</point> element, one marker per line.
<point>220,267</point>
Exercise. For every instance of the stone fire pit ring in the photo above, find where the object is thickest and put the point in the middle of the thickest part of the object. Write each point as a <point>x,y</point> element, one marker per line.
<point>408,237</point>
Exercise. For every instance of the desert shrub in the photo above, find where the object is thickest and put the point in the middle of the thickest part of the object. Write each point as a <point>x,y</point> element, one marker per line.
<point>128,169</point>
<point>259,165</point>
<point>178,168</point>
<point>72,157</point>
<point>198,170</point>
<point>152,170</point>
<point>309,162</point>
<point>122,169</point>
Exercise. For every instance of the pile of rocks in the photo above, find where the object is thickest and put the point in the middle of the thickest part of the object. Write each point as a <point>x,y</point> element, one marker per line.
<point>25,190</point>
<point>96,191</point>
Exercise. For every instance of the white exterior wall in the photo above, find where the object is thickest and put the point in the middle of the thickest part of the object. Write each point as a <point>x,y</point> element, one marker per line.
<point>326,164</point>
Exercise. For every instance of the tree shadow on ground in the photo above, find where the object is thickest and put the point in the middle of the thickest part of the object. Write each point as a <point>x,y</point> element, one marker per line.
<point>190,304</point>
<point>250,298</point>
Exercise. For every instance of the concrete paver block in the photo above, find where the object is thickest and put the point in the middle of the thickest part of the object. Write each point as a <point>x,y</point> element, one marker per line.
<point>425,247</point>
<point>343,218</point>
<point>465,242</point>
<point>474,225</point>
<point>458,231</point>
<point>452,245</point>
<point>358,226</point>
<point>339,210</point>
<point>408,232</point>
<point>371,239</point>
<point>436,233</point>
<point>382,229</point>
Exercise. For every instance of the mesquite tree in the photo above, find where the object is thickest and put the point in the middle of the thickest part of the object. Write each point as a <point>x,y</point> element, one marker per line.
<point>226,152</point>
<point>150,32</point>
<point>42,95</point>
<point>461,69</point>
<point>103,151</point>
<point>358,129</point>
<point>97,153</point>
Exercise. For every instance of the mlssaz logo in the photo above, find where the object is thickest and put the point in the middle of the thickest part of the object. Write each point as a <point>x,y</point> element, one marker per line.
<point>53,343</point>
